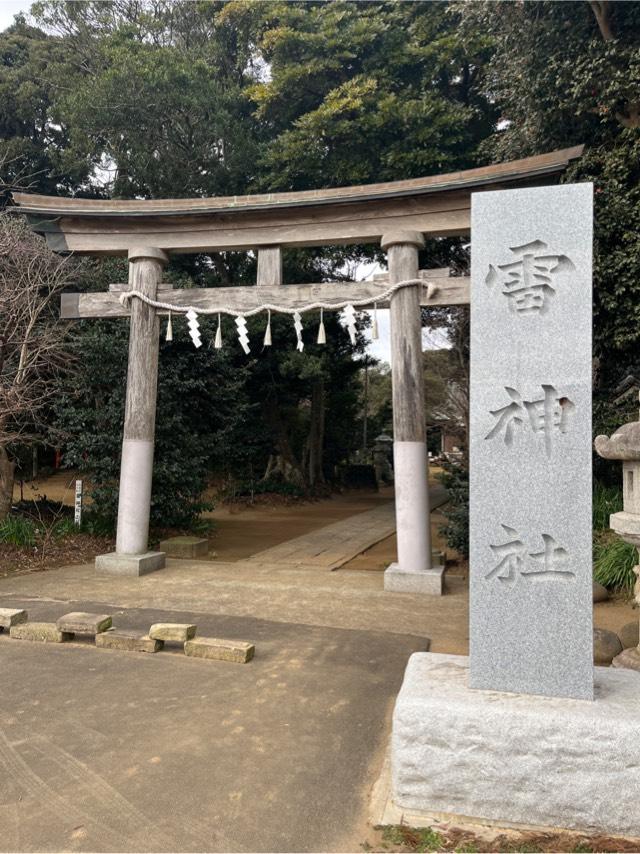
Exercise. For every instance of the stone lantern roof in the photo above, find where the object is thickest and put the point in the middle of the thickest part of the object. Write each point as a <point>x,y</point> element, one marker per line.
<point>623,445</point>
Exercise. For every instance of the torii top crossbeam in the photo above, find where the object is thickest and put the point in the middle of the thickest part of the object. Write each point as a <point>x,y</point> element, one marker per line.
<point>438,205</point>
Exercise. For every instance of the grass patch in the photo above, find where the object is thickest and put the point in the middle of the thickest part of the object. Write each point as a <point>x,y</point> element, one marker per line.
<point>418,839</point>
<point>613,562</point>
<point>606,500</point>
<point>18,531</point>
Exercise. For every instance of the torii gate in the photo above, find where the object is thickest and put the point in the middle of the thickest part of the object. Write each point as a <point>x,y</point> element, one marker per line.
<point>397,214</point>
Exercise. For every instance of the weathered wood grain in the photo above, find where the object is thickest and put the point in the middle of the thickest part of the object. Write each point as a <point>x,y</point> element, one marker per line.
<point>144,338</point>
<point>269,266</point>
<point>453,291</point>
<point>548,163</point>
<point>407,368</point>
<point>437,204</point>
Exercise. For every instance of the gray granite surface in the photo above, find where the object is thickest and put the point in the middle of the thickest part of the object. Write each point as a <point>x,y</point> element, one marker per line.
<point>530,441</point>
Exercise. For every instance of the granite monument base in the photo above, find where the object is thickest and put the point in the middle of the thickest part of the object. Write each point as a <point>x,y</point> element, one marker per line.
<point>123,564</point>
<point>397,580</point>
<point>517,759</point>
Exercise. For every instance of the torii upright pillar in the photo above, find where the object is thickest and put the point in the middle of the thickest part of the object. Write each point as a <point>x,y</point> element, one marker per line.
<point>136,468</point>
<point>413,572</point>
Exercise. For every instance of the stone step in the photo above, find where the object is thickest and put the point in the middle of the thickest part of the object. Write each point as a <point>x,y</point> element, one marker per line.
<point>84,623</point>
<point>185,547</point>
<point>130,641</point>
<point>42,632</point>
<point>12,617</point>
<point>220,649</point>
<point>180,632</point>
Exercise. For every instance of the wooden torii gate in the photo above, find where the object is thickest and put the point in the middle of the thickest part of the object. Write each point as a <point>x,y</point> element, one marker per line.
<point>396,214</point>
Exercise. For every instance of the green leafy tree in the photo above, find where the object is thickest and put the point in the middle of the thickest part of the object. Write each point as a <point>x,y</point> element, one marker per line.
<point>362,92</point>
<point>564,74</point>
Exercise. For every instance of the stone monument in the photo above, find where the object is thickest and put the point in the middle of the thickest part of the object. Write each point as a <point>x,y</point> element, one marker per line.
<point>530,442</point>
<point>512,734</point>
<point>625,445</point>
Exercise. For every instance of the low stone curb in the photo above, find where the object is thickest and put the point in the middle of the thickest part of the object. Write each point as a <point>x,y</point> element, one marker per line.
<point>12,617</point>
<point>106,637</point>
<point>220,649</point>
<point>129,641</point>
<point>83,623</point>
<point>180,632</point>
<point>42,632</point>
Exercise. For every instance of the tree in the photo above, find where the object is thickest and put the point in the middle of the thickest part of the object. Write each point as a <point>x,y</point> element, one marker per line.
<point>33,350</point>
<point>202,411</point>
<point>366,91</point>
<point>569,73</point>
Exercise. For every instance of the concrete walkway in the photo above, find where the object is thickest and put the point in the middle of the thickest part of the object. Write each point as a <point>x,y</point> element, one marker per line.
<point>113,751</point>
<point>332,546</point>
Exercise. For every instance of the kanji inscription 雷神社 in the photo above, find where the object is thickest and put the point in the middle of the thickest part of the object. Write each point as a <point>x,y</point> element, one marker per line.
<point>515,559</point>
<point>547,414</point>
<point>528,282</point>
<point>530,442</point>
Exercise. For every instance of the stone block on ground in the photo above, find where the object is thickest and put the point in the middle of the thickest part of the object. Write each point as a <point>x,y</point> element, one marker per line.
<point>84,623</point>
<point>600,592</point>
<point>629,634</point>
<point>180,632</point>
<point>606,645</point>
<point>185,547</point>
<point>42,632</point>
<point>428,581</point>
<point>220,649</point>
<point>12,617</point>
<point>129,641</point>
<point>121,564</point>
<point>515,758</point>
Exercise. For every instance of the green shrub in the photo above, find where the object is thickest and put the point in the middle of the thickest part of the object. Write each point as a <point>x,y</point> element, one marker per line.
<point>455,478</point>
<point>613,562</point>
<point>202,527</point>
<point>64,527</point>
<point>606,500</point>
<point>98,524</point>
<point>18,531</point>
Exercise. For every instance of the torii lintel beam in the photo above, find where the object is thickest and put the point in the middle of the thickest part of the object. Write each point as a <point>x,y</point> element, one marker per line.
<point>438,205</point>
<point>439,290</point>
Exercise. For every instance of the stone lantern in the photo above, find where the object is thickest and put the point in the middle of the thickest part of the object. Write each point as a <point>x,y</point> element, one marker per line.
<point>625,445</point>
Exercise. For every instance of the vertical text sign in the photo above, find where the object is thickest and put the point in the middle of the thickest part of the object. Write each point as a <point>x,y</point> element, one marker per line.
<point>77,516</point>
<point>530,441</point>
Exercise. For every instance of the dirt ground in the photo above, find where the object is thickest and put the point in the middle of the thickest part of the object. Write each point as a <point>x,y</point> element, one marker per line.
<point>243,529</point>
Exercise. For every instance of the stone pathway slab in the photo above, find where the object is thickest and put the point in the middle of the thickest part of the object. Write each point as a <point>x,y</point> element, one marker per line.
<point>334,545</point>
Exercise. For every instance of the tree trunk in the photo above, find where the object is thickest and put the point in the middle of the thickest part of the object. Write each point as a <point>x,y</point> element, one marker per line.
<point>285,463</point>
<point>316,432</point>
<point>7,473</point>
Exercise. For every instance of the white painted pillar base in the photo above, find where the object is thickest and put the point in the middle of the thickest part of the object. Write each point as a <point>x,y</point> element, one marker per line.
<point>134,502</point>
<point>413,573</point>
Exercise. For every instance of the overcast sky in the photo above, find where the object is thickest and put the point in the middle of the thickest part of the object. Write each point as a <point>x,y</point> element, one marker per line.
<point>9,8</point>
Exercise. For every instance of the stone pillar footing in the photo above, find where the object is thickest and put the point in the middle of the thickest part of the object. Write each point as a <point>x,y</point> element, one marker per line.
<point>429,581</point>
<point>516,759</point>
<point>123,564</point>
